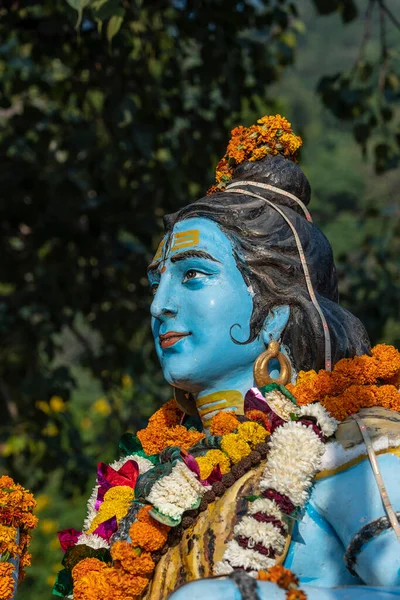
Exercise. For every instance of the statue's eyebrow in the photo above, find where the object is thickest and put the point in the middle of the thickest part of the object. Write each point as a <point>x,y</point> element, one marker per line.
<point>153,267</point>
<point>192,254</point>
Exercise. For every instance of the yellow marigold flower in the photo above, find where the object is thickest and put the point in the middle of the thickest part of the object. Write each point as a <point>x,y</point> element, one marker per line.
<point>43,406</point>
<point>51,430</point>
<point>305,376</point>
<point>102,407</point>
<point>224,422</point>
<point>116,503</point>
<point>258,154</point>
<point>7,540</point>
<point>252,432</point>
<point>6,580</point>
<point>48,526</point>
<point>57,404</point>
<point>210,460</point>
<point>126,381</point>
<point>50,579</point>
<point>235,447</point>
<point>86,423</point>
<point>42,501</point>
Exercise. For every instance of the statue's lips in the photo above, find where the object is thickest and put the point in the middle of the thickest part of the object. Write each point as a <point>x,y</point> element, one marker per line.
<point>170,338</point>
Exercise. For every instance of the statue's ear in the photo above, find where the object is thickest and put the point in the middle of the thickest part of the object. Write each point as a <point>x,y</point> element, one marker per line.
<point>275,323</point>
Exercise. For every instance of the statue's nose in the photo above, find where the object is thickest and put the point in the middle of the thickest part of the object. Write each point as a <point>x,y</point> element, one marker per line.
<point>164,304</point>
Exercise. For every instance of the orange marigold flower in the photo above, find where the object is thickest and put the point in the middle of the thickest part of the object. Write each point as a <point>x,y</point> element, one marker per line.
<point>25,560</point>
<point>94,585</point>
<point>279,575</point>
<point>388,396</point>
<point>169,414</point>
<point>296,595</point>
<point>125,586</point>
<point>224,422</point>
<point>124,555</point>
<point>6,482</point>
<point>360,369</point>
<point>182,437</point>
<point>148,536</point>
<point>85,566</point>
<point>6,581</point>
<point>394,380</point>
<point>387,359</point>
<point>28,520</point>
<point>351,401</point>
<point>259,417</point>
<point>164,430</point>
<point>151,439</point>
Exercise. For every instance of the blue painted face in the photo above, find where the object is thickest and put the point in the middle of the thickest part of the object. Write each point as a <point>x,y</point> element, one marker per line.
<point>200,302</point>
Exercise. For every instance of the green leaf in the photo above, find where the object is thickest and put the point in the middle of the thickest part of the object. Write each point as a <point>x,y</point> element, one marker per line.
<point>130,444</point>
<point>63,584</point>
<point>78,5</point>
<point>114,25</point>
<point>105,9</point>
<point>251,498</point>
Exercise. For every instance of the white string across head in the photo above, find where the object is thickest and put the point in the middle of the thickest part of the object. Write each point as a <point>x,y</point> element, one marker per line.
<point>327,336</point>
<point>272,188</point>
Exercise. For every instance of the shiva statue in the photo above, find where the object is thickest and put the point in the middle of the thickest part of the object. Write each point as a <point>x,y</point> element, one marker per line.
<point>273,473</point>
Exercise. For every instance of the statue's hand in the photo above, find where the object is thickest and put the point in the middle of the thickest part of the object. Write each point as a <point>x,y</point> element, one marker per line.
<point>350,500</point>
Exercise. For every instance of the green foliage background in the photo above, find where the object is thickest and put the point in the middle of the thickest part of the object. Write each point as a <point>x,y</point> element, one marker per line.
<point>109,123</point>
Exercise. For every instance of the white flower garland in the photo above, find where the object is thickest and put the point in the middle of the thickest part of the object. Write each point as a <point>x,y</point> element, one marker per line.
<point>173,494</point>
<point>294,458</point>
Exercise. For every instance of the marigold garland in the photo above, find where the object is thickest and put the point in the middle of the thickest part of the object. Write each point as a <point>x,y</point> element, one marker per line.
<point>285,579</point>
<point>271,135</point>
<point>6,580</point>
<point>16,506</point>
<point>354,383</point>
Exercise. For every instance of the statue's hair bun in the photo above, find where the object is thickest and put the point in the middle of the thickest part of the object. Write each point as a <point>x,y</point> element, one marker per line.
<point>279,172</point>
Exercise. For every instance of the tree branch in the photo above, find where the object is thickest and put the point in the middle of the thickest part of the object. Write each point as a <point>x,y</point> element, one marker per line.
<point>389,13</point>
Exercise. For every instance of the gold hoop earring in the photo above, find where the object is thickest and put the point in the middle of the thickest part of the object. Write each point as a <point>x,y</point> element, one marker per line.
<point>185,401</point>
<point>260,370</point>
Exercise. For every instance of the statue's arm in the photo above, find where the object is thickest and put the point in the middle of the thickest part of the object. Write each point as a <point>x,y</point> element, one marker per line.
<point>350,500</point>
<point>226,589</point>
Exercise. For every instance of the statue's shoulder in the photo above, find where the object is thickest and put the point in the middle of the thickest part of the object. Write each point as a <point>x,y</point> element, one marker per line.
<point>347,447</point>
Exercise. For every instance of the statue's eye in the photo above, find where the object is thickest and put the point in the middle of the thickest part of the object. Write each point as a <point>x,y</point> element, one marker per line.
<point>192,274</point>
<point>154,288</point>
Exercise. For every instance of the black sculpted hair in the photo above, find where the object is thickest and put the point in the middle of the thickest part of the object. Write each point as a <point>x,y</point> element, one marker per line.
<point>267,256</point>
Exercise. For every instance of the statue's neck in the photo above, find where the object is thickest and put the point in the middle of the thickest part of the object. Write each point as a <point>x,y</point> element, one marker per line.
<point>211,404</point>
<point>224,396</point>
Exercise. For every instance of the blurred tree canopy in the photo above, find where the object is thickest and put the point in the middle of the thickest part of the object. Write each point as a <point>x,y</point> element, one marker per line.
<point>115,112</point>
